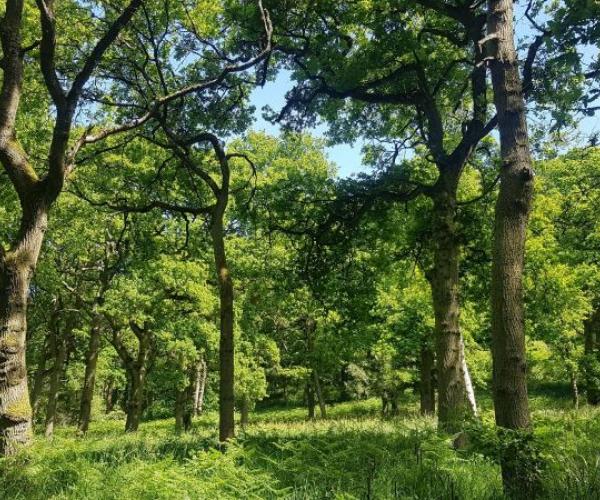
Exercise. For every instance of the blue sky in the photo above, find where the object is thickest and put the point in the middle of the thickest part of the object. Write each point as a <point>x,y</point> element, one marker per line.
<point>348,156</point>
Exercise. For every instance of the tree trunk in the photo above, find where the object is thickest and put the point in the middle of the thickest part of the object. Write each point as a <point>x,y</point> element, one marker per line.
<point>89,381</point>
<point>39,378</point>
<point>109,397</point>
<point>468,383</point>
<point>452,404</point>
<point>512,212</point>
<point>184,403</point>
<point>135,400</point>
<point>319,393</point>
<point>511,216</point>
<point>16,269</point>
<point>574,390</point>
<point>310,400</point>
<point>200,386</point>
<point>226,343</point>
<point>427,386</point>
<point>60,343</point>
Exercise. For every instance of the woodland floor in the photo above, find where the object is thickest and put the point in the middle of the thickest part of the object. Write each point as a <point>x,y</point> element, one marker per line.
<point>351,454</point>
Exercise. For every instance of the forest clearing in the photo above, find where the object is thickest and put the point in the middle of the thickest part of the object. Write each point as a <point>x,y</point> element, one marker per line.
<point>300,249</point>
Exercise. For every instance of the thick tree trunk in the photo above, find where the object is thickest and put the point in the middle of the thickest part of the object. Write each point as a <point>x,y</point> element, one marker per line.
<point>200,386</point>
<point>56,375</point>
<point>135,400</point>
<point>226,343</point>
<point>89,381</point>
<point>452,402</point>
<point>427,386</point>
<point>512,212</point>
<point>319,393</point>
<point>16,269</point>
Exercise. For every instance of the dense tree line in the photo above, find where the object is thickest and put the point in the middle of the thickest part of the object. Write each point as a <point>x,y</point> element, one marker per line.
<point>160,257</point>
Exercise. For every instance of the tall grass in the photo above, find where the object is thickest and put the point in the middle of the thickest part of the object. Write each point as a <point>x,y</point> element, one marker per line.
<point>352,454</point>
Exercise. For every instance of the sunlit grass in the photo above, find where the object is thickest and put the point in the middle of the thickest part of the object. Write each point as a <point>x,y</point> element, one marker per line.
<point>351,454</point>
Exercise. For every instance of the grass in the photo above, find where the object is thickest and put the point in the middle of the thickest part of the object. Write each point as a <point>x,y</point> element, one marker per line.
<point>352,454</point>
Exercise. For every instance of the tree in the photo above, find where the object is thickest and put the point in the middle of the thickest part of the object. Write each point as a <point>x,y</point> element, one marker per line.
<point>510,228</point>
<point>377,77</point>
<point>36,193</point>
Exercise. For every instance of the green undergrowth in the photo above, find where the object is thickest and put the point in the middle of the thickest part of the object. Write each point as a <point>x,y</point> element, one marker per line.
<point>351,454</point>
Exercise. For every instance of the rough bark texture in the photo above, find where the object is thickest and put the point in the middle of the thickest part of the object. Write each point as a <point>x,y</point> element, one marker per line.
<point>427,385</point>
<point>16,268</point>
<point>512,212</point>
<point>89,381</point>
<point>226,342</point>
<point>452,407</point>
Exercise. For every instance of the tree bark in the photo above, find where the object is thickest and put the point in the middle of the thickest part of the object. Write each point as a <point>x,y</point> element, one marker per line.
<point>470,391</point>
<point>512,213</point>
<point>200,386</point>
<point>109,397</point>
<point>427,386</point>
<point>135,400</point>
<point>136,370</point>
<point>185,403</point>
<point>513,206</point>
<point>39,377</point>
<point>452,402</point>
<point>226,342</point>
<point>16,269</point>
<point>89,381</point>
<point>60,356</point>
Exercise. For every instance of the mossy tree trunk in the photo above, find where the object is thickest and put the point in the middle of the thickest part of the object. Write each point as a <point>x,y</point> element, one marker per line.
<point>444,279</point>
<point>16,269</point>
